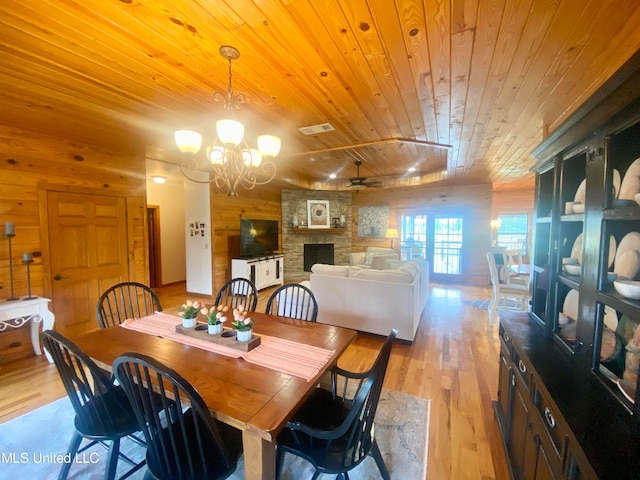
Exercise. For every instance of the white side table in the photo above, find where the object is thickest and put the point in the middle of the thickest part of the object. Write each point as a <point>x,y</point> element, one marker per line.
<point>18,312</point>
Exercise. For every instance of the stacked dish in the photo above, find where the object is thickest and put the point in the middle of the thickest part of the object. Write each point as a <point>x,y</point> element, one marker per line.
<point>631,182</point>
<point>571,265</point>
<point>627,266</point>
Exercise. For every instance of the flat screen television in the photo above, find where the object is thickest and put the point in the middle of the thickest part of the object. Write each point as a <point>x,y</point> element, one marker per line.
<point>258,237</point>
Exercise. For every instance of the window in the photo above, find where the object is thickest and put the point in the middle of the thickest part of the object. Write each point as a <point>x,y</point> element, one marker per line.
<point>413,236</point>
<point>447,245</point>
<point>513,232</point>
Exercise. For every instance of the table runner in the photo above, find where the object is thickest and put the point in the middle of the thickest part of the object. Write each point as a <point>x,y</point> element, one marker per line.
<point>286,356</point>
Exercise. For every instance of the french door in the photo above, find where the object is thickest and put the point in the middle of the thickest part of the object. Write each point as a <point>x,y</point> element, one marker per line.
<point>438,238</point>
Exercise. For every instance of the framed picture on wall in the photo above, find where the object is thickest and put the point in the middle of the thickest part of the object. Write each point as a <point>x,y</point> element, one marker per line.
<point>318,214</point>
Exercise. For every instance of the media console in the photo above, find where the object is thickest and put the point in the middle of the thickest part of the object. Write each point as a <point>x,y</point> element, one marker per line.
<point>262,271</point>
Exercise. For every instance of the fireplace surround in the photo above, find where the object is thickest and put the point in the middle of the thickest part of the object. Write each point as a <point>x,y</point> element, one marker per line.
<point>317,253</point>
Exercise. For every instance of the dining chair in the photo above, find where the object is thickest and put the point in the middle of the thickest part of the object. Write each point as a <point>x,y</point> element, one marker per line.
<point>513,256</point>
<point>102,410</point>
<point>238,291</point>
<point>333,429</point>
<point>293,300</point>
<point>126,300</point>
<point>504,291</point>
<point>186,442</point>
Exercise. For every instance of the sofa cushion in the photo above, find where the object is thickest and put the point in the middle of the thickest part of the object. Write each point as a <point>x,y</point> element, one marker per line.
<point>357,258</point>
<point>378,261</point>
<point>375,251</point>
<point>380,250</point>
<point>393,264</point>
<point>389,276</point>
<point>330,270</point>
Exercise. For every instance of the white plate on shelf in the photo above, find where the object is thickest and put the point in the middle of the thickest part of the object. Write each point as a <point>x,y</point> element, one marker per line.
<point>610,318</point>
<point>629,243</point>
<point>616,183</point>
<point>580,193</point>
<point>627,265</point>
<point>576,250</point>
<point>634,168</point>
<point>612,250</point>
<point>570,307</point>
<point>631,181</point>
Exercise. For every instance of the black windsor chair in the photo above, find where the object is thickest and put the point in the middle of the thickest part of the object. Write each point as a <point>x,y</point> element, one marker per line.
<point>103,412</point>
<point>334,431</point>
<point>293,300</point>
<point>238,291</point>
<point>186,443</point>
<point>126,300</point>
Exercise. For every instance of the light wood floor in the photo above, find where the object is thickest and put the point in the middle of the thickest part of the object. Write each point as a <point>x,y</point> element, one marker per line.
<point>453,361</point>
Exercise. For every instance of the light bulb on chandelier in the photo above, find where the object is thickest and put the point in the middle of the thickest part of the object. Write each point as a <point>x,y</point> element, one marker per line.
<point>233,164</point>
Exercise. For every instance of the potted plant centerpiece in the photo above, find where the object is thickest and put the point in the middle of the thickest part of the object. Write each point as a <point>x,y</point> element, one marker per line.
<point>242,324</point>
<point>189,312</point>
<point>216,316</point>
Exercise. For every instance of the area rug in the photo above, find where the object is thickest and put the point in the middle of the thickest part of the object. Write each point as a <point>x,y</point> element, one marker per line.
<point>503,303</point>
<point>31,444</point>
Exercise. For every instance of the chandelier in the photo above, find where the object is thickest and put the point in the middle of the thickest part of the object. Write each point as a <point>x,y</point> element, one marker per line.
<point>233,163</point>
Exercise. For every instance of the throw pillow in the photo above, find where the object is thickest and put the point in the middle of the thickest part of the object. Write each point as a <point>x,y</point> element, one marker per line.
<point>368,258</point>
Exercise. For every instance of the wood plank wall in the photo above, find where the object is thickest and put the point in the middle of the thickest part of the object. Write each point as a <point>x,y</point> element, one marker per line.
<point>263,203</point>
<point>513,201</point>
<point>31,164</point>
<point>473,201</point>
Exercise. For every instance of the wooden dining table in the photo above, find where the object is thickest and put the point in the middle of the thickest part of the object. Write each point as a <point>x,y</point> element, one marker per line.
<point>255,399</point>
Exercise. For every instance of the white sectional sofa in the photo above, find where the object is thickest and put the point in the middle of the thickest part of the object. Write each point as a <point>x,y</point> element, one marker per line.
<point>374,257</point>
<point>372,300</point>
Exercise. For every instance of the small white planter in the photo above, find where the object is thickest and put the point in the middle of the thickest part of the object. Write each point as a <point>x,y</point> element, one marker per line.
<point>244,336</point>
<point>188,322</point>
<point>214,329</point>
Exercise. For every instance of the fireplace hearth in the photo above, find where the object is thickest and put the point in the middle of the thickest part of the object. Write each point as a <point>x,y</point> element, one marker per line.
<point>317,253</point>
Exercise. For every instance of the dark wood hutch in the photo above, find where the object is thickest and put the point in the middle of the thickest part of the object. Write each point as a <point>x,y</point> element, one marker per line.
<point>561,412</point>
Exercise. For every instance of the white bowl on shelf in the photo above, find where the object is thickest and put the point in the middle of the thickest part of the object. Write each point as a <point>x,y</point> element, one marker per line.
<point>572,269</point>
<point>570,261</point>
<point>627,288</point>
<point>578,208</point>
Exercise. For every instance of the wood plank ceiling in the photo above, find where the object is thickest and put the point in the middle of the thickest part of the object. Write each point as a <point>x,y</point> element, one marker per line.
<point>486,77</point>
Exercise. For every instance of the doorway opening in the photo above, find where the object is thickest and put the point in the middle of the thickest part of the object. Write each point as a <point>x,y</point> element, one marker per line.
<point>155,260</point>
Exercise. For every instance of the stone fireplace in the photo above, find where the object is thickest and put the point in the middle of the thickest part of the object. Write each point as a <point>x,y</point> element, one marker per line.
<point>317,253</point>
<point>296,242</point>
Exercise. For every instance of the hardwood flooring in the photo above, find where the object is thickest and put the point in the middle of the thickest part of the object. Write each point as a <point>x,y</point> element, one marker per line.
<point>453,361</point>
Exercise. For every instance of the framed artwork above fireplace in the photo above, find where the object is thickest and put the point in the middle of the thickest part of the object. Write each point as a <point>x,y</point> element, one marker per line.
<point>318,214</point>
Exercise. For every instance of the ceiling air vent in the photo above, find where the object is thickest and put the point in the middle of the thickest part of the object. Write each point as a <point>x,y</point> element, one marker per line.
<point>315,129</point>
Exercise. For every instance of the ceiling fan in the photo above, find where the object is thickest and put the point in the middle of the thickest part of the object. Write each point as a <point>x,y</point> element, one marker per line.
<point>358,182</point>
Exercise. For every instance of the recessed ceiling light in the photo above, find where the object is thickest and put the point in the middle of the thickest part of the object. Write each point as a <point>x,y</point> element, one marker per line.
<point>411,169</point>
<point>332,176</point>
<point>158,178</point>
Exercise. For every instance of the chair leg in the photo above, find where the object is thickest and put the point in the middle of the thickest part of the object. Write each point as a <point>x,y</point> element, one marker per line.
<point>377,456</point>
<point>112,459</point>
<point>71,451</point>
<point>493,309</point>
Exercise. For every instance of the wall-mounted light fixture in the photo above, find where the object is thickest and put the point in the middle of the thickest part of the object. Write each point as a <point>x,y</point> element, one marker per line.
<point>158,178</point>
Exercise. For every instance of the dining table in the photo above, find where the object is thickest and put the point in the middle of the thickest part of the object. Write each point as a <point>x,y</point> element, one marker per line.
<point>256,391</point>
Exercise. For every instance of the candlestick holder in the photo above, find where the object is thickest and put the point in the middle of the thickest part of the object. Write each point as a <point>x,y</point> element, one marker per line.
<point>27,259</point>
<point>9,233</point>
